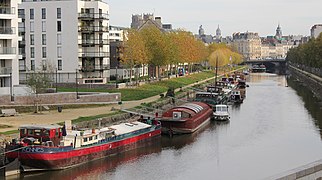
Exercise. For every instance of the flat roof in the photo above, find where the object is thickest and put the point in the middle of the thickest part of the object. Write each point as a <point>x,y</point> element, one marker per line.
<point>40,126</point>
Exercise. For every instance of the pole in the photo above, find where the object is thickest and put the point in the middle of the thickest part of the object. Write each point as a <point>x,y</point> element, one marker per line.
<point>216,72</point>
<point>11,87</point>
<point>77,97</point>
<point>116,76</point>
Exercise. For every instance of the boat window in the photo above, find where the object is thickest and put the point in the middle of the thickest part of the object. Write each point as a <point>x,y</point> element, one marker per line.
<point>37,132</point>
<point>22,131</point>
<point>186,115</point>
<point>46,132</point>
<point>176,115</point>
<point>30,131</point>
<point>95,137</point>
<point>85,139</point>
<point>57,132</point>
<point>90,138</point>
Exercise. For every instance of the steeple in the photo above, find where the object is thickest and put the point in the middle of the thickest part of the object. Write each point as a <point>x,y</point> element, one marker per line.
<point>201,31</point>
<point>218,33</point>
<point>278,34</point>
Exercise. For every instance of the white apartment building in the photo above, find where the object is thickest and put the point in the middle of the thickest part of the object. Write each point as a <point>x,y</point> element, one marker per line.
<point>248,44</point>
<point>67,37</point>
<point>316,30</point>
<point>9,52</point>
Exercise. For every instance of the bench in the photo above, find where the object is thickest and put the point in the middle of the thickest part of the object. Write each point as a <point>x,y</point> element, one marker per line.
<point>8,112</point>
<point>46,108</point>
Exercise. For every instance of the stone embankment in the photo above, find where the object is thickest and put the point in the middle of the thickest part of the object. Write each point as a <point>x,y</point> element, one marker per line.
<point>311,81</point>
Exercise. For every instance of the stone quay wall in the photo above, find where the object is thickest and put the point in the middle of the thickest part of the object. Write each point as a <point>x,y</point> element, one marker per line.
<point>311,81</point>
<point>61,98</point>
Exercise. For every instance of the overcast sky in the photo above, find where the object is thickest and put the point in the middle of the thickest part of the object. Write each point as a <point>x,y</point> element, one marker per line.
<point>296,17</point>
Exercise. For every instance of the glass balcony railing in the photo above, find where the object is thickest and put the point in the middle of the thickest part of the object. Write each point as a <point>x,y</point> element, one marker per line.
<point>93,41</point>
<point>7,30</point>
<point>93,15</point>
<point>93,28</point>
<point>93,54</point>
<point>7,10</point>
<point>7,50</point>
<point>5,70</point>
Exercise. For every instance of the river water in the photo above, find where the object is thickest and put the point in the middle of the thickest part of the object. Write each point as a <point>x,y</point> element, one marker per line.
<point>276,129</point>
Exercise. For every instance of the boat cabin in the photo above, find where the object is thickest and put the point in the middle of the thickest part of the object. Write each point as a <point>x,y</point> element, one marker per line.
<point>221,108</point>
<point>37,134</point>
<point>185,111</point>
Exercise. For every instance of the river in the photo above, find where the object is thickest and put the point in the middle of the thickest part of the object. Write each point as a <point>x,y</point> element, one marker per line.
<point>276,129</point>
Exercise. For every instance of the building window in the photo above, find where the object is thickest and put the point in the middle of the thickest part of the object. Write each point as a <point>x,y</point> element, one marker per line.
<point>32,52</point>
<point>59,52</point>
<point>32,13</point>
<point>44,52</point>
<point>43,26</point>
<point>43,13</point>
<point>32,65</point>
<point>32,26</point>
<point>21,13</point>
<point>43,39</point>
<point>60,64</point>
<point>59,39</point>
<point>32,39</point>
<point>59,26</point>
<point>58,13</point>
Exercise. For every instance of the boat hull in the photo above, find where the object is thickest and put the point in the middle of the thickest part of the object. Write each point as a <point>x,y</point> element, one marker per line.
<point>75,157</point>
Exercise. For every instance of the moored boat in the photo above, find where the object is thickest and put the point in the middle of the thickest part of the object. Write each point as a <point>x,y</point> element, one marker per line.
<point>51,147</point>
<point>186,118</point>
<point>221,112</point>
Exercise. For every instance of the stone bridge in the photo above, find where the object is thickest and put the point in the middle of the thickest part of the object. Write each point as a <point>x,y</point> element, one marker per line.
<point>278,66</point>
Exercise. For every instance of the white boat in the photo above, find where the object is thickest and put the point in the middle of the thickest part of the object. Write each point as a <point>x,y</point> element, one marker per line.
<point>221,112</point>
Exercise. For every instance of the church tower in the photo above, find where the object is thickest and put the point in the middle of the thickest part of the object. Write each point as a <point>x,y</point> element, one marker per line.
<point>201,31</point>
<point>218,33</point>
<point>278,34</point>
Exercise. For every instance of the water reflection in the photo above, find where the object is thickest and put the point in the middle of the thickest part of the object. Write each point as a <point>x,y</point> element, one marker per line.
<point>311,103</point>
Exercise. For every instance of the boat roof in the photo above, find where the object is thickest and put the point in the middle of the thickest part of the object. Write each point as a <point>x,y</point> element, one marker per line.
<point>40,126</point>
<point>194,106</point>
<point>124,128</point>
<point>221,105</point>
<point>207,93</point>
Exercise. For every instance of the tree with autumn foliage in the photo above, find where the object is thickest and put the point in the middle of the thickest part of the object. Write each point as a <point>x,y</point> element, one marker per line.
<point>224,54</point>
<point>135,53</point>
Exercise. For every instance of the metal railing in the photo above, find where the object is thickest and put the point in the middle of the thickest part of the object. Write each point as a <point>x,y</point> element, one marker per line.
<point>7,30</point>
<point>93,28</point>
<point>7,10</point>
<point>7,50</point>
<point>93,15</point>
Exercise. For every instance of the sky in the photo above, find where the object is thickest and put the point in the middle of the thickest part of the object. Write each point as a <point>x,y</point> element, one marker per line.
<point>296,17</point>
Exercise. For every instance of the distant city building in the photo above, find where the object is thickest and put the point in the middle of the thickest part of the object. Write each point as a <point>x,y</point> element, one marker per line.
<point>316,30</point>
<point>9,54</point>
<point>218,33</point>
<point>71,37</point>
<point>248,44</point>
<point>278,34</point>
<point>140,21</point>
<point>208,39</point>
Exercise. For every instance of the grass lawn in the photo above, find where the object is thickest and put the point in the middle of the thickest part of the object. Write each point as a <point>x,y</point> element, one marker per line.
<point>152,89</point>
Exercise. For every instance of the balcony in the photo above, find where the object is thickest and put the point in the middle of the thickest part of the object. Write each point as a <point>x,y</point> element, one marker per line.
<point>5,70</point>
<point>88,42</point>
<point>7,10</point>
<point>93,28</point>
<point>94,54</point>
<point>7,30</point>
<point>7,50</point>
<point>92,16</point>
<point>92,68</point>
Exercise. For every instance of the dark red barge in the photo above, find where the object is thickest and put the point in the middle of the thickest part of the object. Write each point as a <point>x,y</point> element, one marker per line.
<point>186,118</point>
<point>51,147</point>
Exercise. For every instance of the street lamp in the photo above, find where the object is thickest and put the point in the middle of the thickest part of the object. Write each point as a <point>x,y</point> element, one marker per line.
<point>56,79</point>
<point>11,87</point>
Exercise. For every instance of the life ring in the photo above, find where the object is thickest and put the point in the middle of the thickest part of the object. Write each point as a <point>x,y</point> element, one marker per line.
<point>233,97</point>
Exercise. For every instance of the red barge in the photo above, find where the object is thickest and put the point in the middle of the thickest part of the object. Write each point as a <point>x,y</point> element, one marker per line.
<point>52,147</point>
<point>186,118</point>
